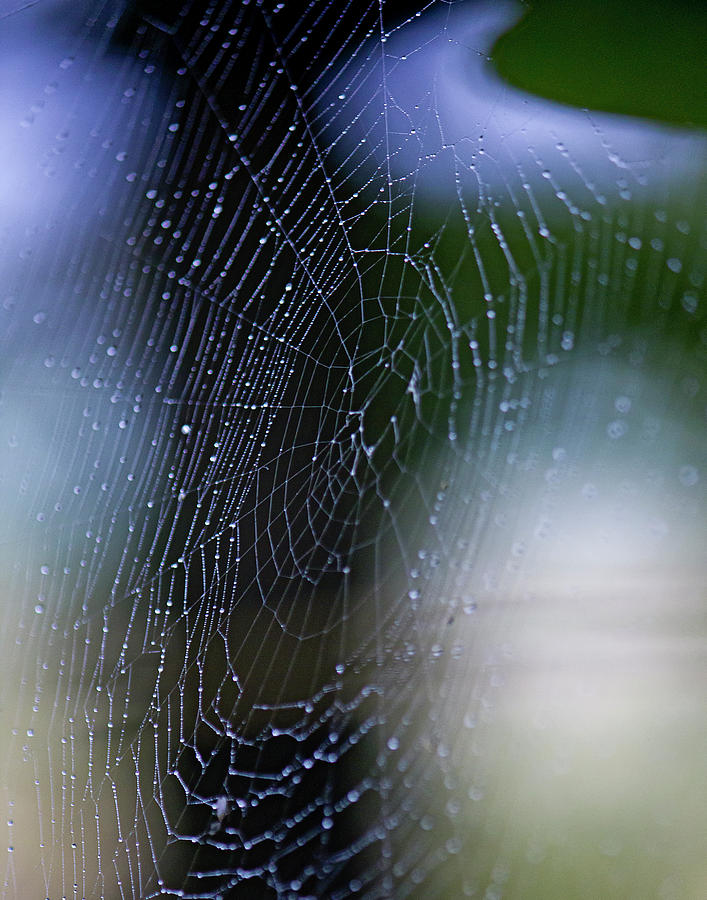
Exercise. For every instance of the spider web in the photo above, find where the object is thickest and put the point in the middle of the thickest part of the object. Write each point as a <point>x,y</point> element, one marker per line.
<point>350,447</point>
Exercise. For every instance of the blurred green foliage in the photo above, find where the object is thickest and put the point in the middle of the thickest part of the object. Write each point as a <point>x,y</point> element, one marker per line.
<point>635,57</point>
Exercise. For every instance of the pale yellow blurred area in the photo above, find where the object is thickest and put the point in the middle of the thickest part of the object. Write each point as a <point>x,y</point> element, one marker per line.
<point>574,703</point>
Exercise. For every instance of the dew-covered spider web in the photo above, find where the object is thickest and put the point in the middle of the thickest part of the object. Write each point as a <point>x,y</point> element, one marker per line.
<point>352,464</point>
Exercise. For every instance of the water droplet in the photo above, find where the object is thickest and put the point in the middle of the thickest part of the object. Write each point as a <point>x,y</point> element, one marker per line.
<point>622,404</point>
<point>616,429</point>
<point>688,476</point>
